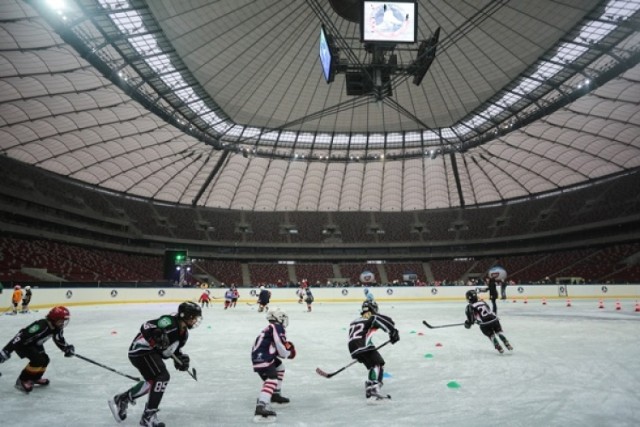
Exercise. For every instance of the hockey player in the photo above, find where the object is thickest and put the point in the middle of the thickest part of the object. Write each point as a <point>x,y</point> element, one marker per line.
<point>368,295</point>
<point>263,299</point>
<point>205,298</point>
<point>300,292</point>
<point>228,298</point>
<point>28,343</point>
<point>16,298</point>
<point>236,296</point>
<point>158,339</point>
<point>363,350</point>
<point>308,298</point>
<point>493,292</point>
<point>26,299</point>
<point>270,347</point>
<point>478,311</point>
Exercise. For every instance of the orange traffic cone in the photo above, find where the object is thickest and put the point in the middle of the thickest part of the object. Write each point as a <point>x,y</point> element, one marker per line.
<point>544,301</point>
<point>637,309</point>
<point>600,304</point>
<point>618,305</point>
<point>568,302</point>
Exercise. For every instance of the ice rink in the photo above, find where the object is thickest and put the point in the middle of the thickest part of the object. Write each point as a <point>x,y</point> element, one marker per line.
<point>571,366</point>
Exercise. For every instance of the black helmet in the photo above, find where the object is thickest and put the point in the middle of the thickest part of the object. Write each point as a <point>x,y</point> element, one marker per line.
<point>189,310</point>
<point>471,296</point>
<point>369,307</point>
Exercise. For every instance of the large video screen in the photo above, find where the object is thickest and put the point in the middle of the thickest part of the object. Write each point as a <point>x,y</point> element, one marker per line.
<point>327,56</point>
<point>389,21</point>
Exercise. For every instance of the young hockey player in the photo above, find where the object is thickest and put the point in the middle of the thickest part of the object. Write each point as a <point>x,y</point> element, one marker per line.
<point>368,295</point>
<point>362,349</point>
<point>263,299</point>
<point>300,292</point>
<point>308,298</point>
<point>158,339</point>
<point>236,295</point>
<point>478,311</point>
<point>26,299</point>
<point>28,343</point>
<point>493,292</point>
<point>228,298</point>
<point>16,298</point>
<point>270,347</point>
<point>205,298</point>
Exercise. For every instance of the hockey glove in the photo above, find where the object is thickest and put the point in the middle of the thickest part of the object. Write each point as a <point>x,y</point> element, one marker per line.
<point>4,356</point>
<point>69,351</point>
<point>182,364</point>
<point>160,339</point>
<point>467,324</point>
<point>292,349</point>
<point>394,336</point>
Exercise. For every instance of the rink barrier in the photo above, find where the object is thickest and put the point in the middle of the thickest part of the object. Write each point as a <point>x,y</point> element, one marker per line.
<point>75,296</point>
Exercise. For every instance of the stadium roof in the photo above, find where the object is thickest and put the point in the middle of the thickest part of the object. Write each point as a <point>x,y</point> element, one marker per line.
<point>224,104</point>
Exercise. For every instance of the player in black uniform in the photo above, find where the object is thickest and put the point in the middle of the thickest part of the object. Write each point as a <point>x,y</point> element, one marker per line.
<point>308,298</point>
<point>478,311</point>
<point>270,347</point>
<point>263,299</point>
<point>363,350</point>
<point>29,343</point>
<point>493,292</point>
<point>158,339</point>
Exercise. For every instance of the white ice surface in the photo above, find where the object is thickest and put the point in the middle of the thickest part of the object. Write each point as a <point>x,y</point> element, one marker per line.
<point>572,366</point>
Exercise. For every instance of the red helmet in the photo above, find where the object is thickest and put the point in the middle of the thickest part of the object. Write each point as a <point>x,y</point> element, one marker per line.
<point>57,315</point>
<point>16,287</point>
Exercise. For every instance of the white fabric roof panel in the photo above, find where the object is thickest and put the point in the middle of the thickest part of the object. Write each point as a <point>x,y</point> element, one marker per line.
<point>59,113</point>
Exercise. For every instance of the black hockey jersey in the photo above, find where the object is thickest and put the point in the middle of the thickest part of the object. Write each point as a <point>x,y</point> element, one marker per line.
<point>361,329</point>
<point>479,312</point>
<point>35,335</point>
<point>144,342</point>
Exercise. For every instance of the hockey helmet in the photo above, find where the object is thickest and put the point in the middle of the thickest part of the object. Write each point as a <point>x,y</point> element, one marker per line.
<point>27,288</point>
<point>17,287</point>
<point>59,316</point>
<point>278,316</point>
<point>472,296</point>
<point>191,313</point>
<point>369,307</point>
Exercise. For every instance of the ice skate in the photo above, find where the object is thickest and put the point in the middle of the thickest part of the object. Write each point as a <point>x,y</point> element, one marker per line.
<point>150,418</point>
<point>509,347</point>
<point>24,386</point>
<point>374,395</point>
<point>499,348</point>
<point>277,397</point>
<point>118,406</point>
<point>41,382</point>
<point>264,413</point>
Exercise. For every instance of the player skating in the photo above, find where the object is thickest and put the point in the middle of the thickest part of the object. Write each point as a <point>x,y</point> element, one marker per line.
<point>26,299</point>
<point>479,312</point>
<point>205,298</point>
<point>263,299</point>
<point>158,339</point>
<point>270,347</point>
<point>308,298</point>
<point>362,349</point>
<point>29,343</point>
<point>235,296</point>
<point>368,295</point>
<point>16,298</point>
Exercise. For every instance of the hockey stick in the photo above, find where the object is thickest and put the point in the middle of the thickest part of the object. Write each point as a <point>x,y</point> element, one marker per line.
<point>441,326</point>
<point>191,372</point>
<point>329,375</point>
<point>86,359</point>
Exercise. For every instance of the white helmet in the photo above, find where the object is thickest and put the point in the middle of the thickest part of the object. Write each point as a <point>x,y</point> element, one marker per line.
<point>28,288</point>
<point>279,316</point>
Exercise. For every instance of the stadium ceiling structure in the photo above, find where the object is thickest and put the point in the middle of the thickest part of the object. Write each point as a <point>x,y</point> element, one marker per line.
<point>223,103</point>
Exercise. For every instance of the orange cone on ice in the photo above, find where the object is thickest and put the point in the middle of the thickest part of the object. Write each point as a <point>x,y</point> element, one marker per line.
<point>544,301</point>
<point>618,305</point>
<point>525,300</point>
<point>568,302</point>
<point>600,304</point>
